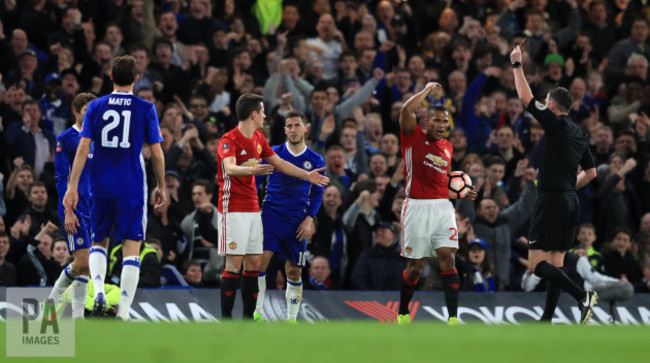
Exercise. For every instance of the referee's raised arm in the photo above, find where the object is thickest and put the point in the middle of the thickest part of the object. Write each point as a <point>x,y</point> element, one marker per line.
<point>523,90</point>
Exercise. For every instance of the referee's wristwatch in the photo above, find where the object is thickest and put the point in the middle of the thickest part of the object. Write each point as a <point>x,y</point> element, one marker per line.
<point>516,65</point>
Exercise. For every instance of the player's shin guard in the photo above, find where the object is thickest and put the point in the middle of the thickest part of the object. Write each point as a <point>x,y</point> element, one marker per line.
<point>67,277</point>
<point>249,291</point>
<point>128,284</point>
<point>261,285</point>
<point>406,293</point>
<point>450,282</point>
<point>97,265</point>
<point>556,276</point>
<point>294,298</point>
<point>79,291</point>
<point>229,284</point>
<point>552,297</point>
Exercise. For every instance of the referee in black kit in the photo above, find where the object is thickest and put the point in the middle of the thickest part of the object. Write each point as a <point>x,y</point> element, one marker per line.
<point>555,216</point>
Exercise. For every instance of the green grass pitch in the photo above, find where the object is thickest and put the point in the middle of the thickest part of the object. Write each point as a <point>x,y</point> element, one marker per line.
<point>113,341</point>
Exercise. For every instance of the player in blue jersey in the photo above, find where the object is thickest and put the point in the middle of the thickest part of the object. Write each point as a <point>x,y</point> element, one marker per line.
<point>78,238</point>
<point>118,124</point>
<point>288,213</point>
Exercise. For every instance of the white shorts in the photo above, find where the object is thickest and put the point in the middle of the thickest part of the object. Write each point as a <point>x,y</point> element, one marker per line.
<point>240,233</point>
<point>427,224</point>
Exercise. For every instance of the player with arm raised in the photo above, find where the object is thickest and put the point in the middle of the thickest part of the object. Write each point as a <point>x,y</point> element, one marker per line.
<point>78,238</point>
<point>118,125</point>
<point>288,213</point>
<point>556,211</point>
<point>240,154</point>
<point>428,217</point>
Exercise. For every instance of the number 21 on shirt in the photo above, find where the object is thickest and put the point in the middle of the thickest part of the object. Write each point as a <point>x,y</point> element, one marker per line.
<point>116,118</point>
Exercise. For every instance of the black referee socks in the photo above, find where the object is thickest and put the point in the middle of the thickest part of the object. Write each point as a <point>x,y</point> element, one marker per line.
<point>552,297</point>
<point>556,276</point>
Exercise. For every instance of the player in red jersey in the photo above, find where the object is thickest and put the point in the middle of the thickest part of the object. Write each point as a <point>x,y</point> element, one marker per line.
<point>428,217</point>
<point>241,152</point>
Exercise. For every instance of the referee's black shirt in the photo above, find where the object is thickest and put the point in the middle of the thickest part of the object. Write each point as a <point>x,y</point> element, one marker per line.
<point>565,147</point>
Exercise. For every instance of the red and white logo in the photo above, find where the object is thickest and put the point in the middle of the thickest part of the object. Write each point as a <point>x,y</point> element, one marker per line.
<point>383,313</point>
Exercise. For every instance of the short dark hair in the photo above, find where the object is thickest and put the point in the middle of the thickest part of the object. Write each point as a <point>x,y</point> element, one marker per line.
<point>198,97</point>
<point>209,187</point>
<point>366,184</point>
<point>334,147</point>
<point>296,113</point>
<point>588,226</point>
<point>81,99</point>
<point>3,234</point>
<point>153,241</point>
<point>36,183</point>
<point>562,98</point>
<point>246,104</point>
<point>31,101</point>
<point>624,230</point>
<point>494,160</point>
<point>638,18</point>
<point>139,46</point>
<point>239,51</point>
<point>124,70</point>
<point>160,40</point>
<point>187,264</point>
<point>435,108</point>
<point>143,89</point>
<point>212,136</point>
<point>536,127</point>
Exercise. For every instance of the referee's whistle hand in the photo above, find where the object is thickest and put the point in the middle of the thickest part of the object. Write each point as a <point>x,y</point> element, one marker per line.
<point>515,56</point>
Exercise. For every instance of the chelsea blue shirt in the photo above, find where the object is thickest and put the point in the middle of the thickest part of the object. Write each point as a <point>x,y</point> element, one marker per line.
<point>290,196</point>
<point>65,150</point>
<point>119,124</point>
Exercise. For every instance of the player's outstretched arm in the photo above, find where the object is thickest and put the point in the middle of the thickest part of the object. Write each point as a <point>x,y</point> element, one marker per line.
<point>314,176</point>
<point>158,160</point>
<point>234,170</point>
<point>71,197</point>
<point>523,90</point>
<point>407,120</point>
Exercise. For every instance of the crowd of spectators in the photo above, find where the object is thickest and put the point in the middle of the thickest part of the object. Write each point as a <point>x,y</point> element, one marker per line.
<point>349,65</point>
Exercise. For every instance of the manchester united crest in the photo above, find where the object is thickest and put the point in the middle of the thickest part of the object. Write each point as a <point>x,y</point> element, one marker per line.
<point>447,153</point>
<point>232,245</point>
<point>259,149</point>
<point>408,250</point>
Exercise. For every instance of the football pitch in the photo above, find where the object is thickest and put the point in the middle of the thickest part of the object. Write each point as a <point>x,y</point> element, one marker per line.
<point>113,341</point>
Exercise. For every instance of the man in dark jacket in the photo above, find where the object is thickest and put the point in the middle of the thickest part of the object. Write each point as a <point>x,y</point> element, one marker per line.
<point>330,239</point>
<point>496,227</point>
<point>380,268</point>
<point>37,267</point>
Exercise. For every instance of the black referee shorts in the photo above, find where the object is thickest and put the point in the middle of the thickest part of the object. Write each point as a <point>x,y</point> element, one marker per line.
<point>554,222</point>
